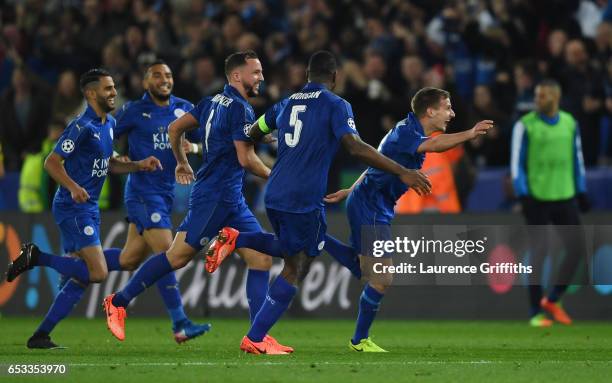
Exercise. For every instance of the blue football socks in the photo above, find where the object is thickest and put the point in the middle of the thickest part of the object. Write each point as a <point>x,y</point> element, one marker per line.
<point>112,258</point>
<point>344,254</point>
<point>73,267</point>
<point>63,303</point>
<point>277,300</point>
<point>266,243</point>
<point>368,307</point>
<point>256,290</point>
<point>150,272</point>
<point>167,286</point>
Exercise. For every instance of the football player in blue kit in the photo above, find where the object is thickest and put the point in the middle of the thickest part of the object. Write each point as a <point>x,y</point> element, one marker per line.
<point>149,196</point>
<point>311,125</point>
<point>79,163</point>
<point>216,198</point>
<point>371,199</point>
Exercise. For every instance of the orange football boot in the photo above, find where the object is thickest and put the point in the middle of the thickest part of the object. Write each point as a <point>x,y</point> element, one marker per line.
<point>556,311</point>
<point>262,347</point>
<point>115,317</point>
<point>270,339</point>
<point>220,247</point>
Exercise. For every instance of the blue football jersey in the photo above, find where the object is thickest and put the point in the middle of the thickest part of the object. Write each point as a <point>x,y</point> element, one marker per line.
<point>310,125</point>
<point>86,145</point>
<point>224,118</point>
<point>400,144</point>
<point>146,125</point>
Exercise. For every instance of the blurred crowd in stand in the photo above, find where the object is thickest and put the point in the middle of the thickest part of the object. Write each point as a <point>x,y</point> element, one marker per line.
<point>487,53</point>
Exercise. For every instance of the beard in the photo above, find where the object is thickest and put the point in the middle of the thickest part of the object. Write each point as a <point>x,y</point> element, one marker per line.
<point>250,90</point>
<point>160,96</point>
<point>104,105</point>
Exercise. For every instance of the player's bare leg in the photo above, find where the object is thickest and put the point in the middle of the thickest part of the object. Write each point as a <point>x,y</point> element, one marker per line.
<point>155,241</point>
<point>135,249</point>
<point>159,240</point>
<point>296,268</point>
<point>255,260</point>
<point>180,252</point>
<point>379,281</point>
<point>95,261</point>
<point>154,269</point>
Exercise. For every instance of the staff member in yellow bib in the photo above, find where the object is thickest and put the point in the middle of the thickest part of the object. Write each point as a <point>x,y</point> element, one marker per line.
<point>548,175</point>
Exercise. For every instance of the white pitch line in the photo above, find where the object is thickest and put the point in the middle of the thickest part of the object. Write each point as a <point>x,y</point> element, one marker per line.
<point>317,364</point>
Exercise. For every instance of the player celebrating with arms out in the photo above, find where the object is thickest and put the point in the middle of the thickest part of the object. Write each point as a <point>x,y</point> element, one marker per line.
<point>79,164</point>
<point>311,124</point>
<point>371,199</point>
<point>216,198</point>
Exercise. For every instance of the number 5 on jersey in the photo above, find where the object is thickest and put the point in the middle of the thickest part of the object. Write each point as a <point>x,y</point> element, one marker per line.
<point>292,139</point>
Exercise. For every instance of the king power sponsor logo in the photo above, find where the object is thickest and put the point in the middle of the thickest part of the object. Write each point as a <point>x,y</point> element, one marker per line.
<point>161,140</point>
<point>100,167</point>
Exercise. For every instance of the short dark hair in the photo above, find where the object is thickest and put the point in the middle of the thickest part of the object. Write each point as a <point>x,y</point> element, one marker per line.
<point>550,83</point>
<point>91,76</point>
<point>322,65</point>
<point>427,98</point>
<point>238,59</point>
<point>151,64</point>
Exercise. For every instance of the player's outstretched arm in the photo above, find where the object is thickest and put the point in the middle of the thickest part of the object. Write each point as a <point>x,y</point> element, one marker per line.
<point>55,167</point>
<point>120,166</point>
<point>343,193</point>
<point>366,153</point>
<point>249,160</point>
<point>444,142</point>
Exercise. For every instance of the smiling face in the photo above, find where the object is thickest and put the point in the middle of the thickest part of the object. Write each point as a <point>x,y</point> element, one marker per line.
<point>249,76</point>
<point>441,115</point>
<point>103,94</point>
<point>159,82</point>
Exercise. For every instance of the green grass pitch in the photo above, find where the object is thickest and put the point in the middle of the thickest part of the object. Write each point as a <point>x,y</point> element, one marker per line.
<point>434,351</point>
